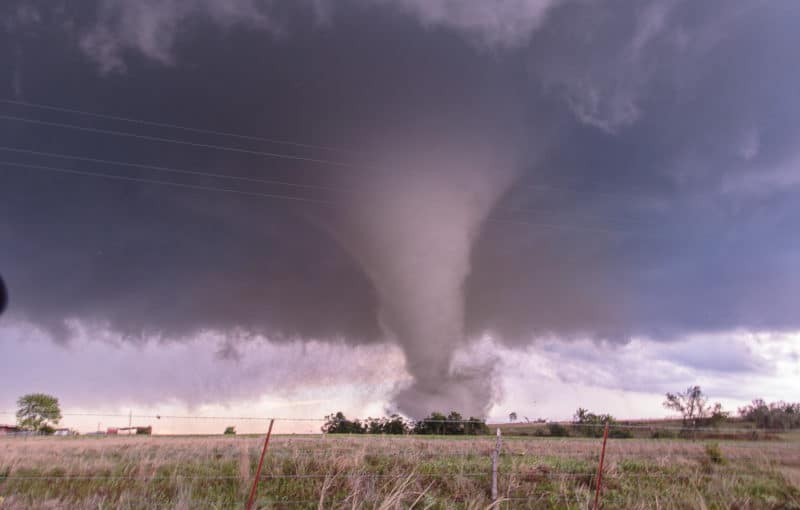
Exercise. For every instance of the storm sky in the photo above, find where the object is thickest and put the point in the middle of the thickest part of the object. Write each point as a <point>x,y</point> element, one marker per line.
<point>399,204</point>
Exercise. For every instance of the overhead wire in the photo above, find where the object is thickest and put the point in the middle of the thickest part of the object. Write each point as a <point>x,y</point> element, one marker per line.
<point>321,161</point>
<point>165,169</point>
<point>161,139</point>
<point>494,218</point>
<point>85,173</point>
<point>164,183</point>
<point>159,168</point>
<point>143,122</point>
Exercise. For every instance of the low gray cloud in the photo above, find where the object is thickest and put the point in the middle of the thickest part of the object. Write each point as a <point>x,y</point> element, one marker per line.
<point>151,27</point>
<point>584,171</point>
<point>506,23</point>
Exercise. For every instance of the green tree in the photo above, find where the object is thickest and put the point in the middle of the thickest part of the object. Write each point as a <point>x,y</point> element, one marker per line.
<point>339,424</point>
<point>557,430</point>
<point>454,424</point>
<point>433,424</point>
<point>475,426</point>
<point>374,425</point>
<point>776,415</point>
<point>716,416</point>
<point>38,411</point>
<point>512,416</point>
<point>395,424</point>
<point>451,424</point>
<point>590,424</point>
<point>690,403</point>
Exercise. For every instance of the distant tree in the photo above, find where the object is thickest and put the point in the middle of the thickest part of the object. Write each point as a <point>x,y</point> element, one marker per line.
<point>230,431</point>
<point>593,425</point>
<point>475,426</point>
<point>557,430</point>
<point>775,415</point>
<point>716,416</point>
<point>337,423</point>
<point>373,425</point>
<point>433,424</point>
<point>395,424</point>
<point>436,423</point>
<point>581,415</point>
<point>38,411</point>
<point>512,416</point>
<point>452,424</point>
<point>691,404</point>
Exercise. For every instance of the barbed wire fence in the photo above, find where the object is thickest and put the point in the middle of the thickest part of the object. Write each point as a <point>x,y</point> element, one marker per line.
<point>515,469</point>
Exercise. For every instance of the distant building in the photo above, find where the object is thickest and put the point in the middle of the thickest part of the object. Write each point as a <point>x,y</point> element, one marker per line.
<point>134,430</point>
<point>65,432</point>
<point>9,429</point>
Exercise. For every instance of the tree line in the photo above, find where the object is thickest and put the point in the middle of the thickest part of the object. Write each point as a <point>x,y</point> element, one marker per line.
<point>775,415</point>
<point>695,411</point>
<point>436,423</point>
<point>41,412</point>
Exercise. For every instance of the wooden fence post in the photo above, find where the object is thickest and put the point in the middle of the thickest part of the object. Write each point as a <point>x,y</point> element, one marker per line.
<point>600,469</point>
<point>252,497</point>
<point>495,457</point>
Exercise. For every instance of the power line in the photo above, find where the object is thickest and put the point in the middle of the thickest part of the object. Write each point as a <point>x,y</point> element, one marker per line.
<point>175,126</point>
<point>163,183</point>
<point>493,219</point>
<point>165,169</point>
<point>159,168</point>
<point>340,164</point>
<point>151,138</point>
<point>536,187</point>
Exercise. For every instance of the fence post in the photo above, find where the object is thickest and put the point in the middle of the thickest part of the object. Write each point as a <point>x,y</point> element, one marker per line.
<point>495,456</point>
<point>600,469</point>
<point>258,469</point>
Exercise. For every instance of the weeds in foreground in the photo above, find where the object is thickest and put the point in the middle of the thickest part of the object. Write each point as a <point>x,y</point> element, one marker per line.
<point>391,473</point>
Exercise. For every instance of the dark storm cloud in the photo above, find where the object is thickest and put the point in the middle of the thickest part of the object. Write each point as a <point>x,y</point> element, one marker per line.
<point>653,191</point>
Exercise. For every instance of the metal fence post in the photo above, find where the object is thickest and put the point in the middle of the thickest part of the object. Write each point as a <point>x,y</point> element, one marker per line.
<point>600,469</point>
<point>495,456</point>
<point>252,497</point>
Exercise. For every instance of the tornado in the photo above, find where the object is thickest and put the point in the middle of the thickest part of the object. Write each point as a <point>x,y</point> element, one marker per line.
<point>413,232</point>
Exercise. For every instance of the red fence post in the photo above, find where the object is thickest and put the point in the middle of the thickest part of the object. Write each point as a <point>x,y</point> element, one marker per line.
<point>600,469</point>
<point>258,469</point>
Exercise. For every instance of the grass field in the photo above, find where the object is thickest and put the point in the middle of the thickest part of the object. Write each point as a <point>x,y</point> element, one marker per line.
<point>394,472</point>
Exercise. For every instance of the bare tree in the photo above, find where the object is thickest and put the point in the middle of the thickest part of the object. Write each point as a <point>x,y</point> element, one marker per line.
<point>690,403</point>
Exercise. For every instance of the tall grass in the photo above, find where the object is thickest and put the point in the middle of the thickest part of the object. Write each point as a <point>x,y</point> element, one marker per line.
<point>392,472</point>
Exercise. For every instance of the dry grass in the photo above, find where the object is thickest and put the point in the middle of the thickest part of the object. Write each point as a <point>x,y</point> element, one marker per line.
<point>391,473</point>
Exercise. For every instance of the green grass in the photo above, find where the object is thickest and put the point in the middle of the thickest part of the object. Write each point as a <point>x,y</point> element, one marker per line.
<point>394,472</point>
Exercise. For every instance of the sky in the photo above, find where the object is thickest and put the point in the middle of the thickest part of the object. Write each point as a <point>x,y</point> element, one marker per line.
<point>249,208</point>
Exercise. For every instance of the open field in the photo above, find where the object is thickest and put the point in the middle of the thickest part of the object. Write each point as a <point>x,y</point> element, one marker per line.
<point>393,472</point>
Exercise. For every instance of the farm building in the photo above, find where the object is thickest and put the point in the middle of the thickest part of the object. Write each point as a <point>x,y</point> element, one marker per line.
<point>134,430</point>
<point>8,429</point>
